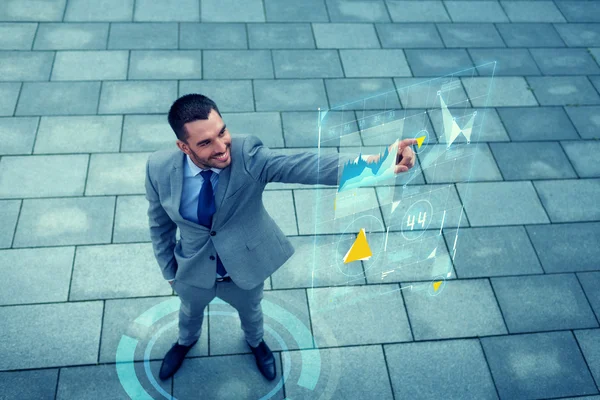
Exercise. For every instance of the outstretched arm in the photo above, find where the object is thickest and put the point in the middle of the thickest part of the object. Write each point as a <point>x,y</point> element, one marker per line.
<point>162,230</point>
<point>266,165</point>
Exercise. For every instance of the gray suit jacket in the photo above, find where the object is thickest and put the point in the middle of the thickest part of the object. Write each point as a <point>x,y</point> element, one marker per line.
<point>247,239</point>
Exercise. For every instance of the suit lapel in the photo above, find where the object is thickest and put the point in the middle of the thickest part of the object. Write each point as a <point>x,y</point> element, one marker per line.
<point>177,185</point>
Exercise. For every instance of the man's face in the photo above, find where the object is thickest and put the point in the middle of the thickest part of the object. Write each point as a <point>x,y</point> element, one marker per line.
<point>208,143</point>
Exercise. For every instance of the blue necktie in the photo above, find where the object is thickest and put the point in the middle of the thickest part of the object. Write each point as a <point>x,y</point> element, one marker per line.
<point>206,209</point>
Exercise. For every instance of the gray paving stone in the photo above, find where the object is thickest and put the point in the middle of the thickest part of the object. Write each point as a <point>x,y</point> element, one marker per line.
<point>237,64</point>
<point>475,11</point>
<point>310,265</point>
<point>483,252</point>
<point>552,302</point>
<point>365,374</point>
<point>25,345</point>
<point>17,135</point>
<point>71,36</point>
<point>17,36</point>
<point>15,10</point>
<point>586,120</point>
<point>374,63</point>
<point>501,203</point>
<point>290,95</point>
<point>90,65</point>
<point>537,123</point>
<point>345,36</point>
<point>212,36</point>
<point>460,163</point>
<point>116,270</point>
<point>131,220</point>
<point>409,35</point>
<point>167,10</point>
<point>351,315</point>
<point>583,156</point>
<point>58,98</point>
<point>461,370</point>
<point>106,10</point>
<point>65,221</point>
<point>266,126</point>
<point>310,202</point>
<point>539,365</point>
<point>579,35</point>
<point>532,11</point>
<point>584,207</point>
<point>280,206</point>
<point>565,61</point>
<point>221,370</point>
<point>165,64</point>
<point>280,36</point>
<point>42,176</point>
<point>588,340</point>
<point>357,11</point>
<point>36,275</point>
<point>404,257</point>
<point>579,11</point>
<point>304,11</point>
<point>25,65</point>
<point>404,124</point>
<point>362,94</point>
<point>440,62</point>
<point>529,35</point>
<point>508,62</point>
<point>16,385</point>
<point>234,96</point>
<point>301,129</point>
<point>417,11</point>
<point>296,150</point>
<point>227,337</point>
<point>595,81</point>
<point>96,381</point>
<point>422,93</point>
<point>136,97</point>
<point>152,35</point>
<point>9,212</point>
<point>443,316</point>
<point>566,247</point>
<point>470,35</point>
<point>232,11</point>
<point>487,128</point>
<point>116,173</point>
<point>147,133</point>
<point>505,91</point>
<point>120,318</point>
<point>589,281</point>
<point>443,199</point>
<point>307,64</point>
<point>80,134</point>
<point>533,160</point>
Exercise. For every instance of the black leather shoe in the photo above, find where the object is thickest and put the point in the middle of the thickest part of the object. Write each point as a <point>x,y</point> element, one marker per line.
<point>173,360</point>
<point>264,360</point>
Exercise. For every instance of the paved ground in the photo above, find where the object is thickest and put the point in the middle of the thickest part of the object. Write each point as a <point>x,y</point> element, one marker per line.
<point>85,87</point>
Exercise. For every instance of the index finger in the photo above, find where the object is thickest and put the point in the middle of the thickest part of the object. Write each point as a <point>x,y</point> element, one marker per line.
<point>405,143</point>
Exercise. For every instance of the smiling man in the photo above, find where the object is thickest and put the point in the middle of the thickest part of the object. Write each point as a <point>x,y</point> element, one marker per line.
<point>211,189</point>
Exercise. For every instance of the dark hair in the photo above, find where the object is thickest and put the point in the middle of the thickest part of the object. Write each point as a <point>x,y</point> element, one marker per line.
<point>189,108</point>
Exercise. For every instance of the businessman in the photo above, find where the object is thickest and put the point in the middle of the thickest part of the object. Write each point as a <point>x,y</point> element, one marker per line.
<point>211,189</point>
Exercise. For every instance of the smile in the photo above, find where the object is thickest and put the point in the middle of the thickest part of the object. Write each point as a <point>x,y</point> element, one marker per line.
<point>223,157</point>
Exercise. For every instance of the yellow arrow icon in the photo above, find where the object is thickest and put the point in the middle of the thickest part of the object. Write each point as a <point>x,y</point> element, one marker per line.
<point>420,141</point>
<point>360,250</point>
<point>436,285</point>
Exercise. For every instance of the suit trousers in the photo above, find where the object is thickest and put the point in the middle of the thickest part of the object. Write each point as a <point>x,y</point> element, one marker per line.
<point>194,300</point>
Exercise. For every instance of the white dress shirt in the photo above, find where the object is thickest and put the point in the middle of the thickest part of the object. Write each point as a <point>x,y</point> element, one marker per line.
<point>192,185</point>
